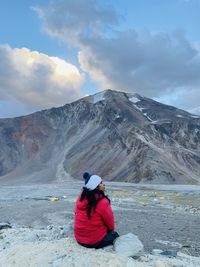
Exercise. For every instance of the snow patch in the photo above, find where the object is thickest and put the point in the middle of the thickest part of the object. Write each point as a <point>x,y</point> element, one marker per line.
<point>145,114</point>
<point>117,117</point>
<point>140,109</point>
<point>195,116</point>
<point>155,122</point>
<point>134,99</point>
<point>98,97</point>
<point>180,116</point>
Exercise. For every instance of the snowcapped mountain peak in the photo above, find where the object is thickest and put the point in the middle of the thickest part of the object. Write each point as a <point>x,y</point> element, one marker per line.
<point>121,136</point>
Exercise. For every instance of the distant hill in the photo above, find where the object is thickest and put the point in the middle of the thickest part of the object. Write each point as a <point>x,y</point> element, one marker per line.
<point>120,136</point>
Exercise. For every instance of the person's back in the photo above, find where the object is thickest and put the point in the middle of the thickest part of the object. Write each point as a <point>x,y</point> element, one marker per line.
<point>92,230</point>
<point>94,220</point>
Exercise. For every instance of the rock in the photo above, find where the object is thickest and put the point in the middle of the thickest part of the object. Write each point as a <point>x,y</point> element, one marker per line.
<point>186,246</point>
<point>159,263</point>
<point>108,248</point>
<point>169,253</point>
<point>156,252</point>
<point>144,258</point>
<point>128,245</point>
<point>5,226</point>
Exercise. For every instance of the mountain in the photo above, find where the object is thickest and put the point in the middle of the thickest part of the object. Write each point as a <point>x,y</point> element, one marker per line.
<point>120,136</point>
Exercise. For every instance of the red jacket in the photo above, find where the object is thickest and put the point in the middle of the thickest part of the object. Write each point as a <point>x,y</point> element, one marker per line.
<point>90,231</point>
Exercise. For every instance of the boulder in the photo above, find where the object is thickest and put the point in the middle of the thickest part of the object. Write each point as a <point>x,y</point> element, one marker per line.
<point>5,226</point>
<point>156,252</point>
<point>128,245</point>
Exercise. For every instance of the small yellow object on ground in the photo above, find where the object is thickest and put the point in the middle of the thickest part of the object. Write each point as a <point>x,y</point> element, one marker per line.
<point>53,198</point>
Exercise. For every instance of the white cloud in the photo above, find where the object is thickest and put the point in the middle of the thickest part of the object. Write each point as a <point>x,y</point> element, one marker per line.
<point>152,64</point>
<point>161,65</point>
<point>37,80</point>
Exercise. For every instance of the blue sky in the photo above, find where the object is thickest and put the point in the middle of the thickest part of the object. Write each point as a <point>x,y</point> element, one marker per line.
<point>163,15</point>
<point>54,52</point>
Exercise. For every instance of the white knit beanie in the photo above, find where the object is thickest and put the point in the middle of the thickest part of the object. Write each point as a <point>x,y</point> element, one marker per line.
<point>93,182</point>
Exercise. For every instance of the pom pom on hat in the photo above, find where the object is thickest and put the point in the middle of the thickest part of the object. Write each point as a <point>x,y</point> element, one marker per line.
<point>86,176</point>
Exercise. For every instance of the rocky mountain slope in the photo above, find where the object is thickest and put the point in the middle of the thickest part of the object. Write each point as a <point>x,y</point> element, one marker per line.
<point>120,136</point>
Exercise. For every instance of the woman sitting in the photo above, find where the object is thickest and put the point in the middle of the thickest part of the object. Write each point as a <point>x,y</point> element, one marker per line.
<point>94,219</point>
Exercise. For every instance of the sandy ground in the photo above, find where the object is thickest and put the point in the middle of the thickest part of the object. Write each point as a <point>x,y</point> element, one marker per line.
<point>163,217</point>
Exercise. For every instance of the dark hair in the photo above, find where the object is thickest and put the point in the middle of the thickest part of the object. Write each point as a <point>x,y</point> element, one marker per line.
<point>93,197</point>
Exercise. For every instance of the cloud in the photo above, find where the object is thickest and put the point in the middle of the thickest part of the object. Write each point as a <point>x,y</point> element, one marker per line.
<point>73,21</point>
<point>152,64</point>
<point>37,80</point>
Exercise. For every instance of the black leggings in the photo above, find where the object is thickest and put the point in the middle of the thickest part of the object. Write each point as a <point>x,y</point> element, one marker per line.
<point>106,241</point>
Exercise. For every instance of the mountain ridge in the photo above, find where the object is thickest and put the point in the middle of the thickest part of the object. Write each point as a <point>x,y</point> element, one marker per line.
<point>121,136</point>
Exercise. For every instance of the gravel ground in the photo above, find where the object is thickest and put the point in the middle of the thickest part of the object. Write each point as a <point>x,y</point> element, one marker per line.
<point>160,228</point>
<point>167,220</point>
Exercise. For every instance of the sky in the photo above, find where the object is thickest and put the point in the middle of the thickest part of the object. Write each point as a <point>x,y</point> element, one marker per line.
<point>55,52</point>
